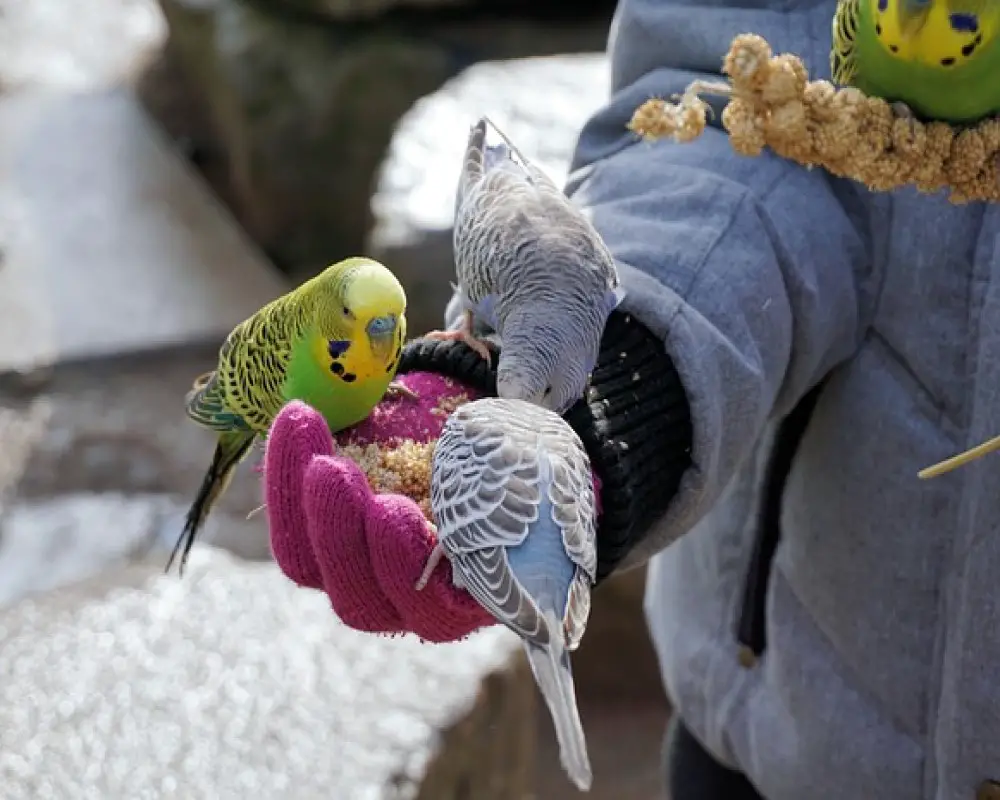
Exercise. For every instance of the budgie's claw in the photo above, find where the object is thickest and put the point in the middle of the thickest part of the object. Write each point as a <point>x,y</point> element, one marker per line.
<point>432,561</point>
<point>397,389</point>
<point>903,113</point>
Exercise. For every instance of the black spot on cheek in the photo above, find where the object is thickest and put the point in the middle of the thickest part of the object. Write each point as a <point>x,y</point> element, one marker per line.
<point>348,377</point>
<point>893,48</point>
<point>878,29</point>
<point>947,62</point>
<point>337,368</point>
<point>970,48</point>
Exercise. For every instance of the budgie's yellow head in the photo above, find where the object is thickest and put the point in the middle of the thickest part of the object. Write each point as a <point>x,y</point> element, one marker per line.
<point>937,33</point>
<point>360,301</point>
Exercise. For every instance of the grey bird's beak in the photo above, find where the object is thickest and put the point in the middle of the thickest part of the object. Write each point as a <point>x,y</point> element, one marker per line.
<point>382,335</point>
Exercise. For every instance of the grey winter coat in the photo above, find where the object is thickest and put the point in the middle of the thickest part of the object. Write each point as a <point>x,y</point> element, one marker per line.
<point>881,677</point>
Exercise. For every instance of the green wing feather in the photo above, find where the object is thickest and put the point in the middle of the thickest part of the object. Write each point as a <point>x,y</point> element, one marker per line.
<point>206,404</point>
<point>246,391</point>
<point>239,399</point>
<point>843,60</point>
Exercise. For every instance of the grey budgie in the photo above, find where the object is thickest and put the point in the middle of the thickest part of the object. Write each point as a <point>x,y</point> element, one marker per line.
<point>533,268</point>
<point>513,499</point>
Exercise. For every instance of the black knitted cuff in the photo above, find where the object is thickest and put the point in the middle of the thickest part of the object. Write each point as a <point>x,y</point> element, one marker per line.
<point>634,423</point>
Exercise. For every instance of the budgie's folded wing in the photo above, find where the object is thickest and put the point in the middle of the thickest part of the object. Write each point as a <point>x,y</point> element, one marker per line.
<point>487,576</point>
<point>571,493</point>
<point>254,359</point>
<point>485,492</point>
<point>843,64</point>
<point>205,404</point>
<point>577,611</point>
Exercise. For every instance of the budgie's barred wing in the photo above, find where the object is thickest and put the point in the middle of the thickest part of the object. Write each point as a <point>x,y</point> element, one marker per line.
<point>205,403</point>
<point>246,391</point>
<point>572,495</point>
<point>843,64</point>
<point>487,488</point>
<point>484,492</point>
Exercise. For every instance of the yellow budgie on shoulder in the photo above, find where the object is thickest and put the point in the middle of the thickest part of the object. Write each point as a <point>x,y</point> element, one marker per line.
<point>938,59</point>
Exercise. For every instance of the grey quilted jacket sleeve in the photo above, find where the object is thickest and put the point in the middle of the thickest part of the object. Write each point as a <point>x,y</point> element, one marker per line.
<point>753,271</point>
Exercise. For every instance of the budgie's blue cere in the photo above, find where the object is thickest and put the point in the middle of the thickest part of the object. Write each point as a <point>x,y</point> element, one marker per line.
<point>533,268</point>
<point>513,498</point>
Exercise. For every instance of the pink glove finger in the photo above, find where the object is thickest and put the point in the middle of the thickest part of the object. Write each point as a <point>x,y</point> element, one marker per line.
<point>296,436</point>
<point>400,542</point>
<point>338,504</point>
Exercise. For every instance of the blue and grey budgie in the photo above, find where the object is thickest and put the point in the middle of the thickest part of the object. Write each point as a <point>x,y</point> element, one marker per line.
<point>534,269</point>
<point>513,500</point>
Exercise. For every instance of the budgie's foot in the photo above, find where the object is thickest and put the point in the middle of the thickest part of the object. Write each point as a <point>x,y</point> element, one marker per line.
<point>397,390</point>
<point>462,335</point>
<point>256,511</point>
<point>902,111</point>
<point>432,561</point>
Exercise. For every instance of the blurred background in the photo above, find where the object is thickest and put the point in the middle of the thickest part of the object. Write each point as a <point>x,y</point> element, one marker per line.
<point>165,169</point>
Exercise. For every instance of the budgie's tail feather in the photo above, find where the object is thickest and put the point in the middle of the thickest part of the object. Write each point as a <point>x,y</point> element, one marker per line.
<point>231,449</point>
<point>474,162</point>
<point>551,668</point>
<point>506,150</point>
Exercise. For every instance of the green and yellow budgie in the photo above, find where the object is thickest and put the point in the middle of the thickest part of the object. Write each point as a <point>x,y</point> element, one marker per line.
<point>937,59</point>
<point>334,343</point>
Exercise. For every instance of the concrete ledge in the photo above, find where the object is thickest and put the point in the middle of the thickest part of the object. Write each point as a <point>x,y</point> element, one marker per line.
<point>111,243</point>
<point>233,683</point>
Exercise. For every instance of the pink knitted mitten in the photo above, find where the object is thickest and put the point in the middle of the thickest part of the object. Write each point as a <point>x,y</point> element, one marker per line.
<point>366,551</point>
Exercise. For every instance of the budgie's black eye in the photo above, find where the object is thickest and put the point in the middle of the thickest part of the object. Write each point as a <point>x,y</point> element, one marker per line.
<point>548,390</point>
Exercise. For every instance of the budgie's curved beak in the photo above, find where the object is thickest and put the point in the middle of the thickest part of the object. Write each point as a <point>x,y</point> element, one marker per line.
<point>381,332</point>
<point>912,16</point>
